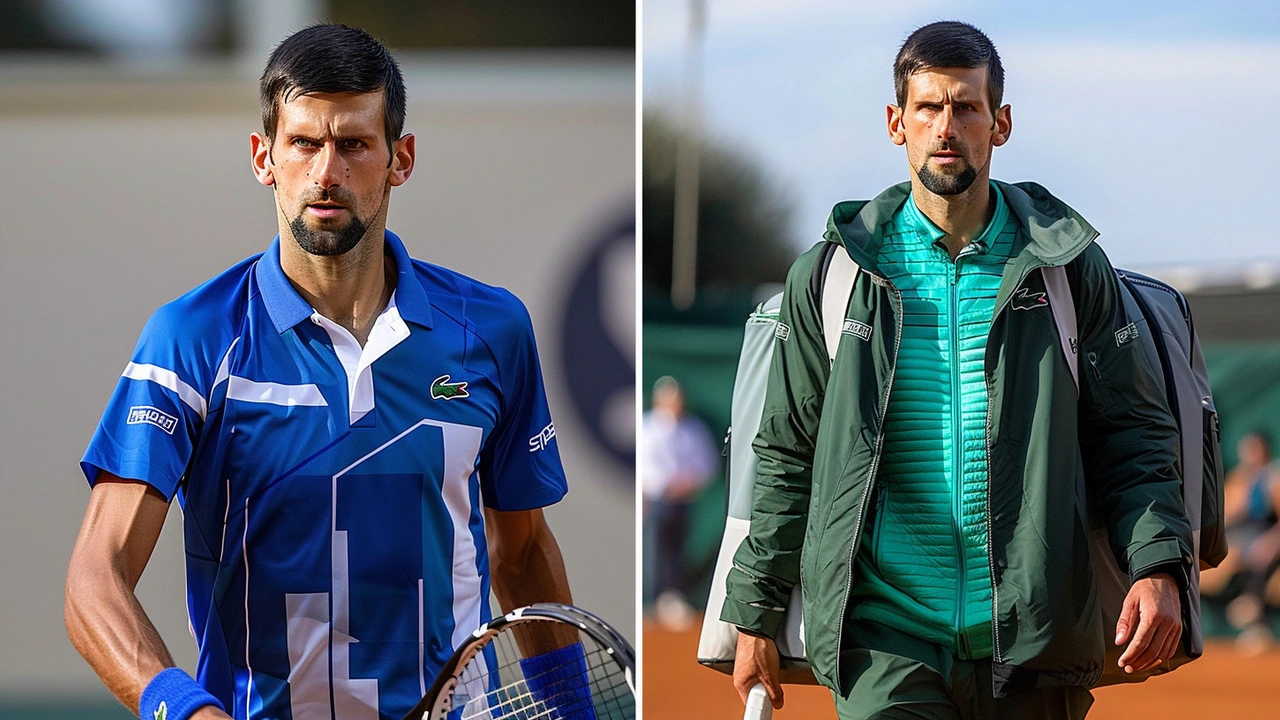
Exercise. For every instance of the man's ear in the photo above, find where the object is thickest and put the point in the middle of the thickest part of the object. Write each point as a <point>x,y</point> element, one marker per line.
<point>403,154</point>
<point>260,151</point>
<point>1004,126</point>
<point>893,118</point>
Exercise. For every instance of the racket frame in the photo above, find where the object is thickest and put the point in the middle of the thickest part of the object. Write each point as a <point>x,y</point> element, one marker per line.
<point>438,702</point>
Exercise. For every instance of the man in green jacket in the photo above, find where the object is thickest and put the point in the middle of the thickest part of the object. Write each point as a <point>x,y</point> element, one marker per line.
<point>931,489</point>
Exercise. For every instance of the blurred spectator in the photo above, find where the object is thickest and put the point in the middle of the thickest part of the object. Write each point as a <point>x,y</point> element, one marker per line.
<point>679,459</point>
<point>1252,506</point>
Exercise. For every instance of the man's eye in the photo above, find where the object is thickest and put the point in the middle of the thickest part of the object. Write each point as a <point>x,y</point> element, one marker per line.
<point>303,143</point>
<point>352,144</point>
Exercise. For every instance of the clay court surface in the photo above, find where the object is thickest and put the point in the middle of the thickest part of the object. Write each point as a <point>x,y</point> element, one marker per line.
<point>1222,685</point>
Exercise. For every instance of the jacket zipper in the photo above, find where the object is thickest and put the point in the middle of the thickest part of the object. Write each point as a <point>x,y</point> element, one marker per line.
<point>991,559</point>
<point>1093,362</point>
<point>957,452</point>
<point>878,526</point>
<point>996,655</point>
<point>875,460</point>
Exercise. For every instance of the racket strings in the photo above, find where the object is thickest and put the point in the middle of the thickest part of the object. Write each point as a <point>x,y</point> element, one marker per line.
<point>502,691</point>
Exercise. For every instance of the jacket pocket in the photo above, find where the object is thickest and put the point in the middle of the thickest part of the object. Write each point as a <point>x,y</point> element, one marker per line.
<point>877,525</point>
<point>805,554</point>
<point>1213,539</point>
<point>1097,379</point>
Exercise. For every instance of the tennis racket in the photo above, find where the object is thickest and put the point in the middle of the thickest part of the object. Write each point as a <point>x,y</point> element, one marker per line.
<point>496,674</point>
<point>758,705</point>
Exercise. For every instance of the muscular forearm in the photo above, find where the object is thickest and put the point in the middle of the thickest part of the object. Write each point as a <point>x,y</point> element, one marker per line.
<point>536,574</point>
<point>527,568</point>
<point>104,619</point>
<point>108,626</point>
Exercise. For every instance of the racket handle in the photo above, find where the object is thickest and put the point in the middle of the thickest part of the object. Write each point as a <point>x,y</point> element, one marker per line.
<point>758,705</point>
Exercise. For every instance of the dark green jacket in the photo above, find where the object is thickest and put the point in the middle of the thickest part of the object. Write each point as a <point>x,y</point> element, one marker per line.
<point>1052,453</point>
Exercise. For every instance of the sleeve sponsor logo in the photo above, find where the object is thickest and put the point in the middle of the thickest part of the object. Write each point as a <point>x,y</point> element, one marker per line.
<point>140,414</point>
<point>1126,334</point>
<point>542,439</point>
<point>857,329</point>
<point>783,332</point>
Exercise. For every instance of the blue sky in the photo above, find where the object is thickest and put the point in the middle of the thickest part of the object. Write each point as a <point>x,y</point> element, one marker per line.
<point>1158,121</point>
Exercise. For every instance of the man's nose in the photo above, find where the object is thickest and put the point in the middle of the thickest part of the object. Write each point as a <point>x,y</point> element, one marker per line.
<point>943,124</point>
<point>328,168</point>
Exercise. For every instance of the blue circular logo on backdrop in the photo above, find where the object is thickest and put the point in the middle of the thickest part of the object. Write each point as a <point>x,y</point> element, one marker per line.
<point>598,341</point>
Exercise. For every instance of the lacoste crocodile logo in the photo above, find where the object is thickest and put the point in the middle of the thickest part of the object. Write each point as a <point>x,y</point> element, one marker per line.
<point>442,389</point>
<point>1024,299</point>
<point>162,712</point>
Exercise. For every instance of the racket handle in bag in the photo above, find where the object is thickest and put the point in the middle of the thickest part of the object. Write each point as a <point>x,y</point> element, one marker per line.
<point>758,705</point>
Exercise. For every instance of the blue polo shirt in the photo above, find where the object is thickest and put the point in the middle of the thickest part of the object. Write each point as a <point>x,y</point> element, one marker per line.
<point>332,495</point>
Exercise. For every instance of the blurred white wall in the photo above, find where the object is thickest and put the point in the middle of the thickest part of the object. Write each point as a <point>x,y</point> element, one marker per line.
<point>119,195</point>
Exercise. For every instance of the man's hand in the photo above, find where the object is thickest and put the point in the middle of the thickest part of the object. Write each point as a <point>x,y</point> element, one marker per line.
<point>756,661</point>
<point>1154,607</point>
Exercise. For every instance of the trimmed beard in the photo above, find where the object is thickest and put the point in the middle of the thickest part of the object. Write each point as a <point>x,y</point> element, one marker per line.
<point>328,243</point>
<point>942,184</point>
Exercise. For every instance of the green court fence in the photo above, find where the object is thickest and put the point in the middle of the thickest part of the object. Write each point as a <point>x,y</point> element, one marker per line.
<point>1245,377</point>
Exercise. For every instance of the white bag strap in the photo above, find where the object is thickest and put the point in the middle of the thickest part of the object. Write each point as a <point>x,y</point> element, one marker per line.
<point>837,288</point>
<point>1063,307</point>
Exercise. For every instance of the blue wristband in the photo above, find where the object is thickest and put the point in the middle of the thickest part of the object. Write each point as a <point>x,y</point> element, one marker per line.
<point>173,695</point>
<point>559,679</point>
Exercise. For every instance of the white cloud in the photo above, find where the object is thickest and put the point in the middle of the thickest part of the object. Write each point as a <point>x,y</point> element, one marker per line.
<point>1198,63</point>
<point>1168,149</point>
<point>666,22</point>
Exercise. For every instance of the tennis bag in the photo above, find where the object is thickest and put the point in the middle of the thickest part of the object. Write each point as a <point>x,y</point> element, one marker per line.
<point>1170,342</point>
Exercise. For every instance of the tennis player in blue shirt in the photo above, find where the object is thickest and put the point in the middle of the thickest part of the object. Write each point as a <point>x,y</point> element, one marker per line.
<point>359,440</point>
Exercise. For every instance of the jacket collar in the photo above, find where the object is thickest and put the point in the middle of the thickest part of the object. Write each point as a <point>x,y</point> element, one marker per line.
<point>931,234</point>
<point>287,308</point>
<point>1052,232</point>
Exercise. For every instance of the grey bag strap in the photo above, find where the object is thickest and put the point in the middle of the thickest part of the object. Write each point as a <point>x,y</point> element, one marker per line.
<point>1063,307</point>
<point>837,287</point>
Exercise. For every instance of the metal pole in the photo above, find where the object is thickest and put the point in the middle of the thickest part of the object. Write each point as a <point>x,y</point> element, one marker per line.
<point>684,251</point>
<point>263,24</point>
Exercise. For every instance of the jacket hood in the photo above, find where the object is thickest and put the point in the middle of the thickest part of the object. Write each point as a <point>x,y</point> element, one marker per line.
<point>1052,231</point>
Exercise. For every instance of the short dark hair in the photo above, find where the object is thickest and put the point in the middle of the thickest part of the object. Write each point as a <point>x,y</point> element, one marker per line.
<point>948,43</point>
<point>332,58</point>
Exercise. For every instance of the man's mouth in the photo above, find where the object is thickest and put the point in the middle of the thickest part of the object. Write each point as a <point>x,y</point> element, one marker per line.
<point>946,157</point>
<point>326,209</point>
